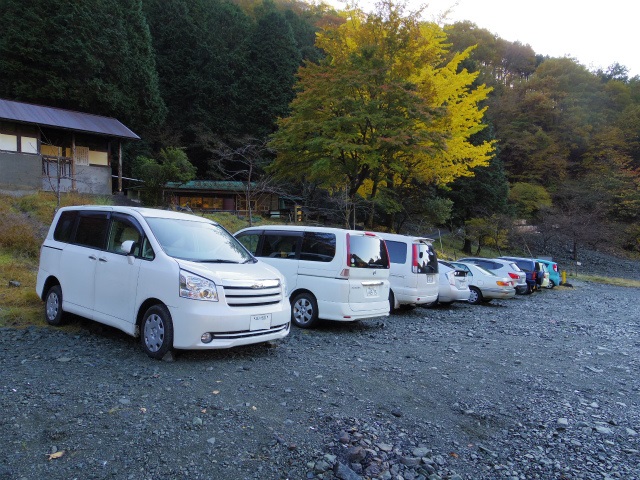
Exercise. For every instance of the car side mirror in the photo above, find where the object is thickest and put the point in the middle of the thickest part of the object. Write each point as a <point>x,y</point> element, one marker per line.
<point>128,247</point>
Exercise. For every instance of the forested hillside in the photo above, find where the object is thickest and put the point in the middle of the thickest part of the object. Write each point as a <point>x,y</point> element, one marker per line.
<point>382,118</point>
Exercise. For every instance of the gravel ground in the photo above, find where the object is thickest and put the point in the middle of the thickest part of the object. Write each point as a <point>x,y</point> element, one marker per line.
<point>545,386</point>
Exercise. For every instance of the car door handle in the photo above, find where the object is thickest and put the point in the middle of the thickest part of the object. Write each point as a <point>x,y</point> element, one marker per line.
<point>103,259</point>
<point>92,257</point>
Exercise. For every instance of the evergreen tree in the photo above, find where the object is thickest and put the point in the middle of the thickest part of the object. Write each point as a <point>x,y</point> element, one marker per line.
<point>92,56</point>
<point>267,84</point>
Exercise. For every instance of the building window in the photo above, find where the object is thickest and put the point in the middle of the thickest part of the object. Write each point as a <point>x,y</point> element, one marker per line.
<point>29,145</point>
<point>8,142</point>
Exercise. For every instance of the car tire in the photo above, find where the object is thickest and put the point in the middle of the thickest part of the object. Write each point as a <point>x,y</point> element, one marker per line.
<point>156,332</point>
<point>392,302</point>
<point>551,284</point>
<point>304,310</point>
<point>475,296</point>
<point>53,313</point>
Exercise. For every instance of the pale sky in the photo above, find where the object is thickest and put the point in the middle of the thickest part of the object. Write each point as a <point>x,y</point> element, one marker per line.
<point>597,33</point>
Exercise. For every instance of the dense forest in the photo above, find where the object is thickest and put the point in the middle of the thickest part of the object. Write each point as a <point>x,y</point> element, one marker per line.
<point>379,119</point>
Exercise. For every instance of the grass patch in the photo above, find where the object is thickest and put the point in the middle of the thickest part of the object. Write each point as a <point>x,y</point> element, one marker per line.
<point>19,305</point>
<point>618,282</point>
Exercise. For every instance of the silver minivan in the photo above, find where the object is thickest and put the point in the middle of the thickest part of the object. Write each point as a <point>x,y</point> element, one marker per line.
<point>175,280</point>
<point>331,273</point>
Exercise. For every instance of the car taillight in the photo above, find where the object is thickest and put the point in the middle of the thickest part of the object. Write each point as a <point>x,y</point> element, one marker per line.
<point>534,275</point>
<point>414,262</point>
<point>555,267</point>
<point>500,283</point>
<point>348,250</point>
<point>514,275</point>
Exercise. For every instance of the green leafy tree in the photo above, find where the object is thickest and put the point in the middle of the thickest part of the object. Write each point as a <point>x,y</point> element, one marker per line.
<point>529,198</point>
<point>381,110</point>
<point>172,165</point>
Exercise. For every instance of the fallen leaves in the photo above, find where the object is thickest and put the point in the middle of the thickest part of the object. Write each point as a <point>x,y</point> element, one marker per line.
<point>53,456</point>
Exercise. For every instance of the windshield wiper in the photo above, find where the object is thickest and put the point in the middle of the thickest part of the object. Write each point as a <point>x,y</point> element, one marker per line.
<point>218,260</point>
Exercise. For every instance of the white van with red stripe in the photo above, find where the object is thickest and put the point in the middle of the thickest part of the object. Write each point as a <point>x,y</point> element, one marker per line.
<point>331,273</point>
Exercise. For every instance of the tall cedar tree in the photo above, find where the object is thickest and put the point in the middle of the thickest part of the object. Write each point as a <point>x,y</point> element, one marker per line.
<point>93,56</point>
<point>382,108</point>
<point>199,48</point>
<point>267,83</point>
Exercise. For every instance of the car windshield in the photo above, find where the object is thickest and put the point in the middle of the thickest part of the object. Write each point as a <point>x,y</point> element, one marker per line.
<point>198,241</point>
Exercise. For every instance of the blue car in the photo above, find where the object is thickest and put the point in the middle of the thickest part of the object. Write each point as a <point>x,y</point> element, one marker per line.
<point>554,272</point>
<point>532,268</point>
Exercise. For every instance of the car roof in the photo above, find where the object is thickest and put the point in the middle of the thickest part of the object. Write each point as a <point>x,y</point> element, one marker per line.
<point>403,238</point>
<point>308,228</point>
<point>143,211</point>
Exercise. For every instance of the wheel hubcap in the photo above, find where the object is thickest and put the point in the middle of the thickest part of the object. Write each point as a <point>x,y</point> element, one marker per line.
<point>473,296</point>
<point>52,306</point>
<point>154,333</point>
<point>303,311</point>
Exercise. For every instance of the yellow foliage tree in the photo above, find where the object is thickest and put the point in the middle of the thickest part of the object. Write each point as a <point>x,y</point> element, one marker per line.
<point>384,108</point>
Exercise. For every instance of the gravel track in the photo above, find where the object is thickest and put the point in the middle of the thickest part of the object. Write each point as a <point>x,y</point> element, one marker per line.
<point>545,386</point>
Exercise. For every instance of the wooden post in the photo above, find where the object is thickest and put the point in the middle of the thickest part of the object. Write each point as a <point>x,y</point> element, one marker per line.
<point>120,166</point>
<point>73,162</point>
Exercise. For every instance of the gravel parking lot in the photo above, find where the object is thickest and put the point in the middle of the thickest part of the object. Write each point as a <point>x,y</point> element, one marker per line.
<point>545,386</point>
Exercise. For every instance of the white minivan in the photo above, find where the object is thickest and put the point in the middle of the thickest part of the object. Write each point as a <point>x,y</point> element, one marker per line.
<point>414,270</point>
<point>173,279</point>
<point>331,273</point>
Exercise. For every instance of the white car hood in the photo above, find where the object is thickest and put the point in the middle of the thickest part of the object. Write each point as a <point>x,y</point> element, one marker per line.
<point>232,272</point>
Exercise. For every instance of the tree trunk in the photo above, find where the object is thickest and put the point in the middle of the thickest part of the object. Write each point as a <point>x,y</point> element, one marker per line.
<point>466,248</point>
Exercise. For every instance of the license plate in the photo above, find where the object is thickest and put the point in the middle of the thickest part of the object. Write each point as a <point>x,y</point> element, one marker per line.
<point>429,278</point>
<point>260,322</point>
<point>371,292</point>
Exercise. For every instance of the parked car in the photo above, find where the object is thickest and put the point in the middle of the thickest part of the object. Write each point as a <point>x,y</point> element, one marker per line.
<point>502,268</point>
<point>484,285</point>
<point>453,285</point>
<point>173,279</point>
<point>331,273</point>
<point>532,268</point>
<point>554,273</point>
<point>414,270</point>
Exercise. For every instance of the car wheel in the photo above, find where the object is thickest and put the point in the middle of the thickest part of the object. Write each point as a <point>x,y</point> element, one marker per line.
<point>551,284</point>
<point>53,313</point>
<point>157,331</point>
<point>475,297</point>
<point>392,302</point>
<point>304,310</point>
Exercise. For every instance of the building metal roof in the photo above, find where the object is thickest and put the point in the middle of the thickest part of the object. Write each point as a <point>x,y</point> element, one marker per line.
<point>65,119</point>
<point>208,185</point>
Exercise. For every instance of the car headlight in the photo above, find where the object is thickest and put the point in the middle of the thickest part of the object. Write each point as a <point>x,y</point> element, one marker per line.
<point>196,287</point>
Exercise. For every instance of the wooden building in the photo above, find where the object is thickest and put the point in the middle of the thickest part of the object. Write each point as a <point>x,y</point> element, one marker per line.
<point>51,149</point>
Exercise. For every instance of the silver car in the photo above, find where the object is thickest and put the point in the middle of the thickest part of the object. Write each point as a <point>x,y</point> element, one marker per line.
<point>502,268</point>
<point>485,285</point>
<point>453,285</point>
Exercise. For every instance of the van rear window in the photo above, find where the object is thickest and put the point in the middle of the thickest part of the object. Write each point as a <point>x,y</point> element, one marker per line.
<point>367,252</point>
<point>64,228</point>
